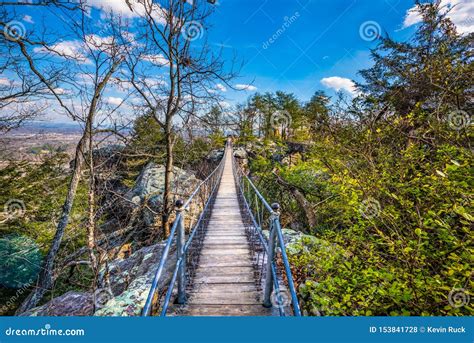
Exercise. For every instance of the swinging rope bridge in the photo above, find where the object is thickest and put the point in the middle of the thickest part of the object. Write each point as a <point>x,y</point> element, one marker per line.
<point>230,253</point>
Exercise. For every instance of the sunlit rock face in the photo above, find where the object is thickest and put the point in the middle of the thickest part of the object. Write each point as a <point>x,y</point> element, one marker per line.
<point>123,294</point>
<point>69,304</point>
<point>150,185</point>
<point>130,280</point>
<point>240,153</point>
<point>215,155</point>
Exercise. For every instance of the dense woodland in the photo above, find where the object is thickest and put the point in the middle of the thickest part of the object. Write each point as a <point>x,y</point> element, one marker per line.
<point>379,184</point>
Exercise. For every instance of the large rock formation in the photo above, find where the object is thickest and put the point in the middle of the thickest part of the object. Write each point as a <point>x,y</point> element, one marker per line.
<point>240,153</point>
<point>130,281</point>
<point>69,304</point>
<point>215,155</point>
<point>149,188</point>
<point>123,295</point>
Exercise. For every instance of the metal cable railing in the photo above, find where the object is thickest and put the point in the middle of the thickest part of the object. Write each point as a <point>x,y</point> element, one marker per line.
<point>276,282</point>
<point>198,211</point>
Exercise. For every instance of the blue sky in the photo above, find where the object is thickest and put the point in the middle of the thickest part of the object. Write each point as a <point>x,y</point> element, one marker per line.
<point>322,40</point>
<point>297,46</point>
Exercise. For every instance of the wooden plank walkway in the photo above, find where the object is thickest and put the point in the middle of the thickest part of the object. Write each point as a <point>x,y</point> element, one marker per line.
<point>224,284</point>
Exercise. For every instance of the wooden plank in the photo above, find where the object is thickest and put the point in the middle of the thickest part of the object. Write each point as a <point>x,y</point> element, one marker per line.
<point>225,288</point>
<point>225,240</point>
<point>224,299</point>
<point>238,278</point>
<point>225,258</point>
<point>224,251</point>
<point>225,270</point>
<point>227,310</point>
<point>224,283</point>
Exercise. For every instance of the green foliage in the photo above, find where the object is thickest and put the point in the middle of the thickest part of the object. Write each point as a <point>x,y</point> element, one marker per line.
<point>41,189</point>
<point>20,262</point>
<point>390,182</point>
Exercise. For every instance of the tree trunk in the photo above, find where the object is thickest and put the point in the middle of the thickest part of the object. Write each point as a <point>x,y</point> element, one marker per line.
<point>301,200</point>
<point>306,206</point>
<point>167,205</point>
<point>91,243</point>
<point>45,279</point>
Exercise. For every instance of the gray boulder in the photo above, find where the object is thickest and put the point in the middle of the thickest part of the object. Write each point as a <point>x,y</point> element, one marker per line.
<point>124,294</point>
<point>130,281</point>
<point>215,155</point>
<point>150,184</point>
<point>69,304</point>
<point>240,153</point>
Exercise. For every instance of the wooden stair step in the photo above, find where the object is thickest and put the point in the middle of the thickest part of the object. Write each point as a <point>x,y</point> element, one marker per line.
<point>238,278</point>
<point>227,310</point>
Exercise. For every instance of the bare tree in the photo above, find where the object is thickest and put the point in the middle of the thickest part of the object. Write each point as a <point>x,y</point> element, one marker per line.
<point>189,73</point>
<point>76,85</point>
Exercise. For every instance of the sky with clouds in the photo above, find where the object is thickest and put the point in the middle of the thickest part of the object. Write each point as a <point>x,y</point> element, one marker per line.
<point>302,46</point>
<point>297,46</point>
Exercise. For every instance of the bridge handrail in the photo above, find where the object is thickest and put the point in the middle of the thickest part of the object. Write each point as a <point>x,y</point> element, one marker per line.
<point>213,180</point>
<point>275,236</point>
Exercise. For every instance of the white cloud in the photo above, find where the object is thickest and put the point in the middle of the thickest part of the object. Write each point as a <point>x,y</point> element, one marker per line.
<point>412,17</point>
<point>246,87</point>
<point>114,101</point>
<point>60,90</point>
<point>70,49</point>
<point>98,41</point>
<point>154,82</point>
<point>221,87</point>
<point>120,7</point>
<point>85,78</point>
<point>4,81</point>
<point>158,59</point>
<point>461,13</point>
<point>224,104</point>
<point>337,83</point>
<point>28,19</point>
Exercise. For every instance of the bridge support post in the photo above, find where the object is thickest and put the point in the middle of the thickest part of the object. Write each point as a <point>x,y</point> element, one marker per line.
<point>180,243</point>
<point>267,301</point>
